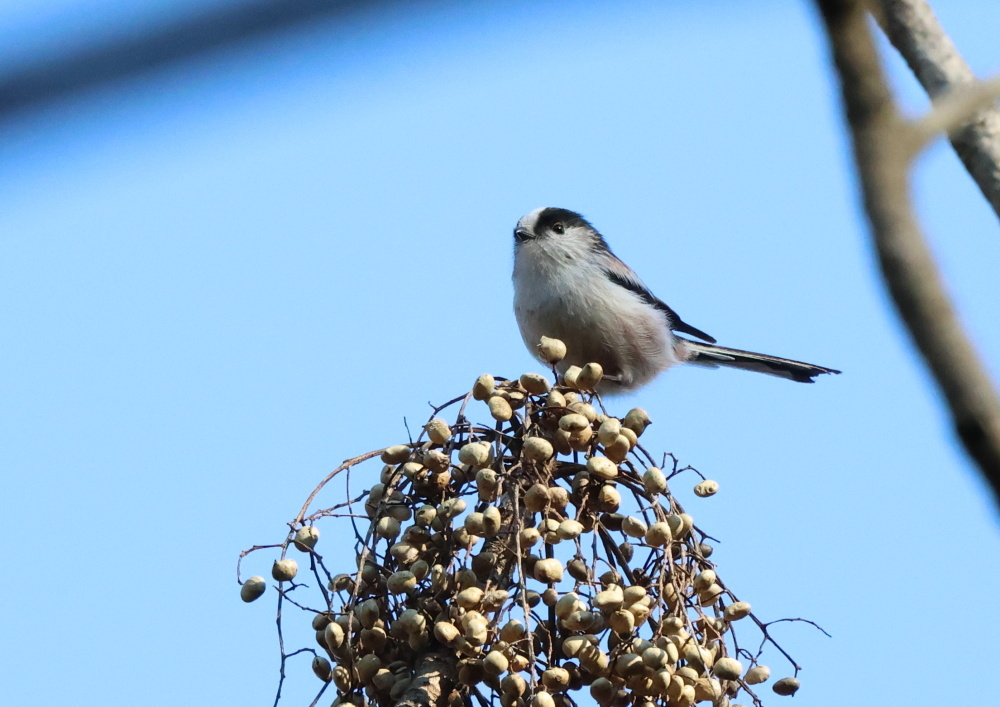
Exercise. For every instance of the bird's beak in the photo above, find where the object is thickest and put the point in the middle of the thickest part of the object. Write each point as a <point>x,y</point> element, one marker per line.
<point>522,234</point>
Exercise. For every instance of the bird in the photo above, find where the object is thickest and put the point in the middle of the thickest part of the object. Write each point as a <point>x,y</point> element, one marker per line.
<point>568,285</point>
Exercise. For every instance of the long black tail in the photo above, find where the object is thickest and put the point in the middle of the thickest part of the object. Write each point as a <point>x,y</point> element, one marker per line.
<point>713,356</point>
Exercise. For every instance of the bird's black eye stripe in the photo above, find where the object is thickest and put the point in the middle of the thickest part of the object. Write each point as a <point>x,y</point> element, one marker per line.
<point>558,228</point>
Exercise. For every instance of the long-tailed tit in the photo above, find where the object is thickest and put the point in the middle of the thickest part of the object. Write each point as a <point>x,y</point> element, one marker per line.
<point>568,285</point>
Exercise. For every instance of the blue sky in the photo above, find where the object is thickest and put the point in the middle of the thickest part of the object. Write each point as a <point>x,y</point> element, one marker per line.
<point>219,281</point>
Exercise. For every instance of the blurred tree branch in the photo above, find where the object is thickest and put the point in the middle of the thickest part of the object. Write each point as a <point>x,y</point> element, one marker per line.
<point>915,32</point>
<point>883,153</point>
<point>178,38</point>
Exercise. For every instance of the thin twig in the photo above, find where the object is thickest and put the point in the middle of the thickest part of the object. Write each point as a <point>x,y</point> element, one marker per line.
<point>346,465</point>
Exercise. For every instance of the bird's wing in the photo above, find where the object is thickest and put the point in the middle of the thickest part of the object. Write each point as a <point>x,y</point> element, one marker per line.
<point>623,276</point>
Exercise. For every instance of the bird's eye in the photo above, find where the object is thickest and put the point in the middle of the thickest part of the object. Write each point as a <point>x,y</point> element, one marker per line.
<point>558,228</point>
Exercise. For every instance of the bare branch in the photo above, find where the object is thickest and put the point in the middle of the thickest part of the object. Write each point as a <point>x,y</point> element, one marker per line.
<point>880,149</point>
<point>918,36</point>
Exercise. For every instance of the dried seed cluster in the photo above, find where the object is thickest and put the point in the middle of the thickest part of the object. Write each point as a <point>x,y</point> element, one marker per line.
<point>537,556</point>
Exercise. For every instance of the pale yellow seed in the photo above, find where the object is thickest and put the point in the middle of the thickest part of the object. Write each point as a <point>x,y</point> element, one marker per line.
<point>602,468</point>
<point>636,420</point>
<point>609,430</point>
<point>396,454</point>
<point>438,431</point>
<point>618,450</point>
<point>634,593</point>
<point>573,422</point>
<point>322,668</point>
<point>284,570</point>
<point>483,387</point>
<point>710,595</point>
<point>387,527</point>
<point>622,621</point>
<point>677,524</point>
<point>534,383</point>
<point>437,461</point>
<point>446,632</point>
<point>556,679</point>
<point>628,664</point>
<point>496,663</point>
<point>519,663</point>
<point>555,399</point>
<point>655,658</point>
<point>514,397</point>
<point>475,454</point>
<point>603,691</point>
<point>513,631</point>
<point>570,376</point>
<point>452,507</point>
<point>537,497</point>
<point>513,685</point>
<point>500,409</point>
<point>737,610</point>
<point>383,680</point>
<point>399,511</point>
<point>476,631</point>
<point>425,516</point>
<point>727,668</point>
<point>252,588</point>
<point>706,488</point>
<point>654,480</point>
<point>552,351</point>
<point>491,520</point>
<point>566,604</point>
<point>342,678</point>
<point>529,537</point>
<point>537,449</point>
<point>558,497</point>
<point>786,686</point>
<point>608,499</point>
<point>609,599</point>
<point>561,442</point>
<point>585,409</point>
<point>412,469</point>
<point>401,582</point>
<point>590,375</point>
<point>548,528</point>
<point>475,523</point>
<point>333,634</point>
<point>704,579</point>
<point>658,534</point>
<point>569,529</point>
<point>580,440</point>
<point>367,666</point>
<point>707,689</point>
<point>548,570</point>
<point>306,538</point>
<point>486,480</point>
<point>634,527</point>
